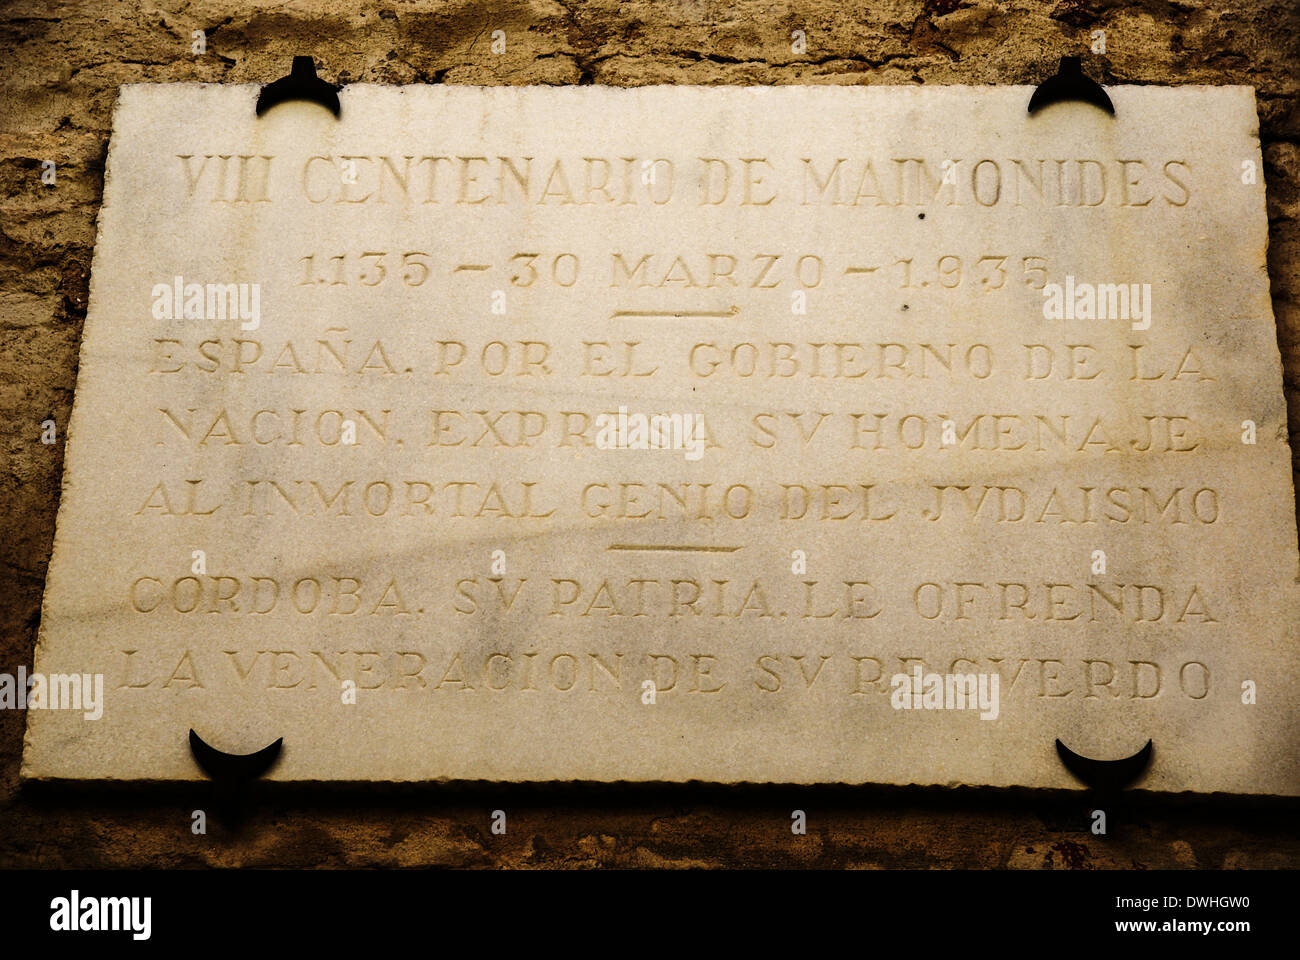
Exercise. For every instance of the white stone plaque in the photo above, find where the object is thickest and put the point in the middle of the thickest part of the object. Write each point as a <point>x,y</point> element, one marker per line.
<point>798,434</point>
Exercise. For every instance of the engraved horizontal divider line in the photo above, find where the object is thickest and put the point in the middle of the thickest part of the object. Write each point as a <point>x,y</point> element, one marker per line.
<point>672,548</point>
<point>729,312</point>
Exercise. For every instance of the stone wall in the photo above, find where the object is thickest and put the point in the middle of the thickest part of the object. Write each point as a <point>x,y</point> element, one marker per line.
<point>63,63</point>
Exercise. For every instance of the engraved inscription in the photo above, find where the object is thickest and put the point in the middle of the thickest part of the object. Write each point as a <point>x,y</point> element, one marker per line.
<point>679,433</point>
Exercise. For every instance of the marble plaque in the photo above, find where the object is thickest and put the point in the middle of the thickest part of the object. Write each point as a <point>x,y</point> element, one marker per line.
<point>795,434</point>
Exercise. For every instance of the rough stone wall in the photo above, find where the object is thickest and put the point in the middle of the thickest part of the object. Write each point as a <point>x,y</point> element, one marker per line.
<point>62,64</point>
